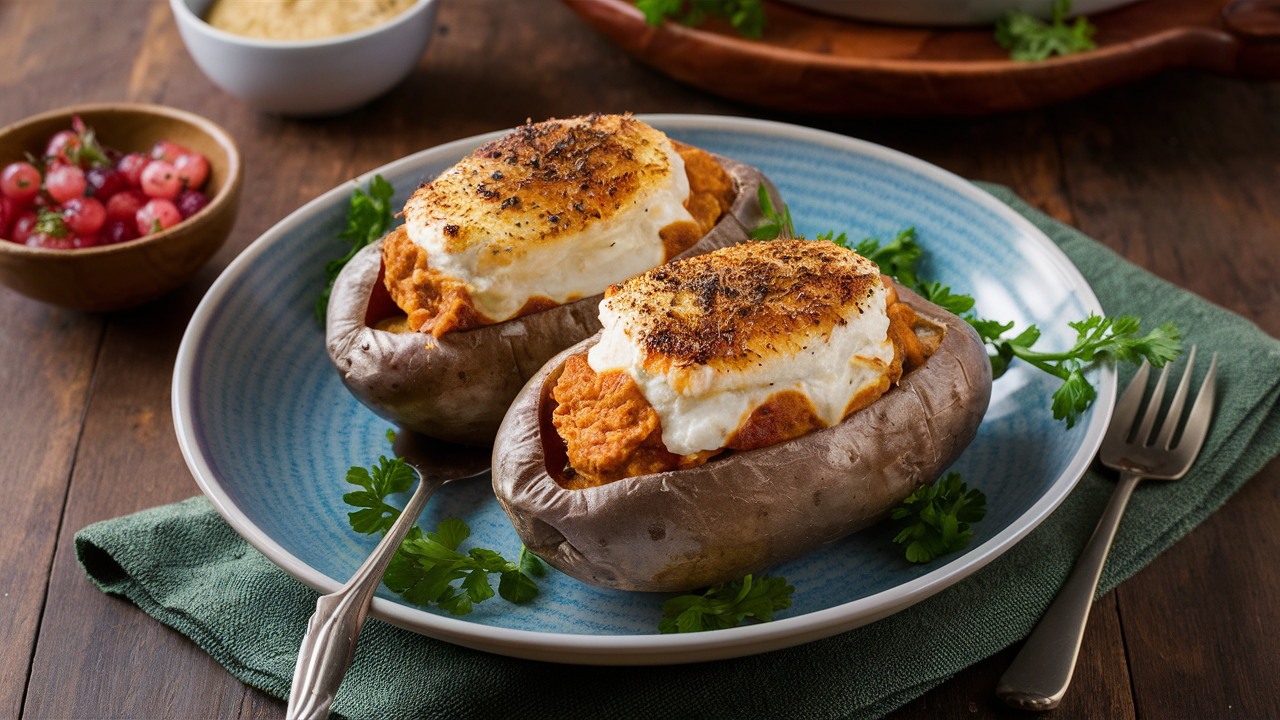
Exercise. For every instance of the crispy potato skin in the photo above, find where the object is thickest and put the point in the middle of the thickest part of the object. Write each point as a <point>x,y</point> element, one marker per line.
<point>458,386</point>
<point>684,529</point>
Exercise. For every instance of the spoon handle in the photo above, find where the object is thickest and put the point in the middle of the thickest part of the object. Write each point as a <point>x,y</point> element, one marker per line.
<point>330,640</point>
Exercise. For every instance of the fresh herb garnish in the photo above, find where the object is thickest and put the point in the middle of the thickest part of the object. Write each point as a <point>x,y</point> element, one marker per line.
<point>777,224</point>
<point>1097,336</point>
<point>746,16</point>
<point>50,223</point>
<point>939,518</point>
<point>87,149</point>
<point>726,605</point>
<point>368,219</point>
<point>425,567</point>
<point>1030,39</point>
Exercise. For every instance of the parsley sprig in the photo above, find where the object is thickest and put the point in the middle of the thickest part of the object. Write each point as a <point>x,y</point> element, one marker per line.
<point>777,223</point>
<point>368,219</point>
<point>746,16</point>
<point>726,605</point>
<point>939,518</point>
<point>1030,39</point>
<point>425,568</point>
<point>1098,337</point>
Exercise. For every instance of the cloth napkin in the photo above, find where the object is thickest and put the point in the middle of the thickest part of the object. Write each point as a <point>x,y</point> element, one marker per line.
<point>187,568</point>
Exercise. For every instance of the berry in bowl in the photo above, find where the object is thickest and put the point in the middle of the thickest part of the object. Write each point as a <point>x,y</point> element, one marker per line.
<point>104,207</point>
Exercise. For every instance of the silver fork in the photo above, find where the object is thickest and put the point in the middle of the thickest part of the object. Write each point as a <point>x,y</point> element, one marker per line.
<point>1039,675</point>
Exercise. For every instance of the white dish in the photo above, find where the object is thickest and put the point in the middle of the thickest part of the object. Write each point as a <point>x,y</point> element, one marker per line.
<point>307,77</point>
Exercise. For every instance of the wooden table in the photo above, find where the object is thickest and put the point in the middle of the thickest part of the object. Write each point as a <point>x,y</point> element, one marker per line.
<point>1181,174</point>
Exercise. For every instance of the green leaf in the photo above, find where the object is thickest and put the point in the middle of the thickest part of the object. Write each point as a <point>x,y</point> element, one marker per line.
<point>897,259</point>
<point>477,585</point>
<point>726,605</point>
<point>451,533</point>
<point>777,224</point>
<point>939,518</point>
<point>51,223</point>
<point>1030,39</point>
<point>530,564</point>
<point>745,16</point>
<point>517,587</point>
<point>369,217</point>
<point>941,295</point>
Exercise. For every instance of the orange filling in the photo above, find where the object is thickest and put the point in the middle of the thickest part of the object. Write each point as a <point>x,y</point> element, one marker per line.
<point>611,431</point>
<point>438,304</point>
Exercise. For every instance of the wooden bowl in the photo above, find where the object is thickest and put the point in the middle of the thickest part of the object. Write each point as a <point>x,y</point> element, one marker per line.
<point>114,277</point>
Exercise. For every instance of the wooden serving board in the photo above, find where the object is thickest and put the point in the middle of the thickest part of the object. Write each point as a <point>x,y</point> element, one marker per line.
<point>808,62</point>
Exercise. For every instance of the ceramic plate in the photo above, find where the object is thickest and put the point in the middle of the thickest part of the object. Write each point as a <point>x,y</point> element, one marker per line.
<point>269,430</point>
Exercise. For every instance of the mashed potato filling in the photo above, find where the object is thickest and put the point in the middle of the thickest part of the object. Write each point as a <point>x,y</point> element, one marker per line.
<point>735,350</point>
<point>527,227</point>
<point>701,407</point>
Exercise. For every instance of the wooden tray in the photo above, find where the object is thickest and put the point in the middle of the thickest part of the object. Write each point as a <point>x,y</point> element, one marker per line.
<point>813,63</point>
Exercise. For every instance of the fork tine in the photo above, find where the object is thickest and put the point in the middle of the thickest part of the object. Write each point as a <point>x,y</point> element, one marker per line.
<point>1198,419</point>
<point>1127,408</point>
<point>1153,409</point>
<point>1175,408</point>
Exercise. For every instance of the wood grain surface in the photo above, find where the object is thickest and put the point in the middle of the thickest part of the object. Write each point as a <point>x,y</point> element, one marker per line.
<point>1180,173</point>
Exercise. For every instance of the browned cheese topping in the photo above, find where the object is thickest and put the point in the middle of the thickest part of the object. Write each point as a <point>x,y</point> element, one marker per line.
<point>730,308</point>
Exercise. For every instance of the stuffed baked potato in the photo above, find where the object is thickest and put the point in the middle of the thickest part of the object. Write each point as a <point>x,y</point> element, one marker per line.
<point>502,260</point>
<point>738,409</point>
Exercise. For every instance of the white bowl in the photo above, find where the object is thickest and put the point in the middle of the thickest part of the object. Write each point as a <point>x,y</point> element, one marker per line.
<point>326,76</point>
<point>947,12</point>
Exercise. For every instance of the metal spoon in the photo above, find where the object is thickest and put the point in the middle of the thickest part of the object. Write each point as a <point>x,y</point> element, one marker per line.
<point>330,640</point>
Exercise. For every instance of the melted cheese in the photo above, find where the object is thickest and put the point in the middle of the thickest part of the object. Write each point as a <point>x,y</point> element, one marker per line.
<point>556,210</point>
<point>702,401</point>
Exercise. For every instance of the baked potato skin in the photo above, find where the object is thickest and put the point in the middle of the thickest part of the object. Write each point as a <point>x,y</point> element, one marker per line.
<point>459,388</point>
<point>685,529</point>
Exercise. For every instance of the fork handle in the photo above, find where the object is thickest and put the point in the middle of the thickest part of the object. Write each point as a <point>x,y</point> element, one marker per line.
<point>330,640</point>
<point>1039,675</point>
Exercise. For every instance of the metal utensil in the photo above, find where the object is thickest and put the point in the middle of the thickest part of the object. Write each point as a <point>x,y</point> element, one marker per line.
<point>330,640</point>
<point>1039,675</point>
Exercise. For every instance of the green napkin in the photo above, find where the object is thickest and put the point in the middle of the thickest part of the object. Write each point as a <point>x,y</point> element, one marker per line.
<point>187,568</point>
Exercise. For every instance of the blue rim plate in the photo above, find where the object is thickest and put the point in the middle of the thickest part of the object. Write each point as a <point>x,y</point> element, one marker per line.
<point>269,431</point>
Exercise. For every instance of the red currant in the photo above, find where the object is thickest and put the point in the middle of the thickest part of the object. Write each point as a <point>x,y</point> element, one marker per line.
<point>24,227</point>
<point>105,182</point>
<point>193,169</point>
<point>125,205</point>
<point>20,181</point>
<point>118,231</point>
<point>61,145</point>
<point>168,151</point>
<point>131,167</point>
<point>160,180</point>
<point>157,215</point>
<point>84,216</point>
<point>65,182</point>
<point>191,202</point>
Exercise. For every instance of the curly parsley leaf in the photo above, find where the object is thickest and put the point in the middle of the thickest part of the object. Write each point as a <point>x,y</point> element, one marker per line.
<point>368,218</point>
<point>746,16</point>
<point>897,259</point>
<point>1096,337</point>
<point>726,605</point>
<point>426,567</point>
<point>939,518</point>
<point>941,295</point>
<point>383,479</point>
<point>1030,39</point>
<point>777,224</point>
